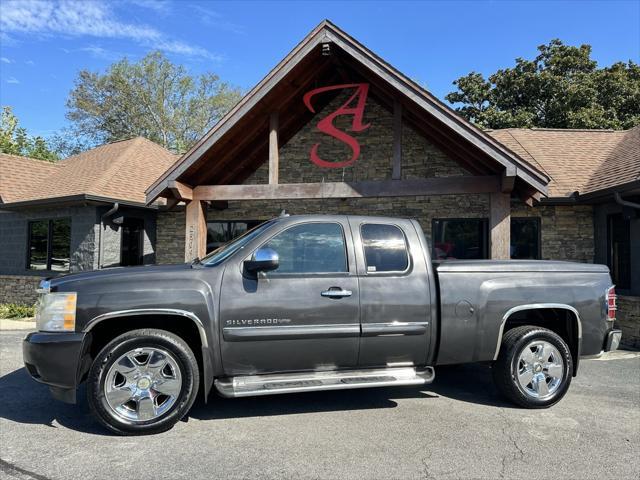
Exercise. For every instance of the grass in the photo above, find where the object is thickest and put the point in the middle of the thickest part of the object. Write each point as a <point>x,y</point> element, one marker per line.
<point>16,310</point>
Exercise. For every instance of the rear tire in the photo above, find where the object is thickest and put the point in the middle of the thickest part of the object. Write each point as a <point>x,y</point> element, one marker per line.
<point>143,382</point>
<point>534,367</point>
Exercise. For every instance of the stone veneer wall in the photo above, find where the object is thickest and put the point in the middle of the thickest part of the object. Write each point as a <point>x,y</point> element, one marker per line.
<point>170,231</point>
<point>19,289</point>
<point>566,230</point>
<point>628,320</point>
<point>420,159</point>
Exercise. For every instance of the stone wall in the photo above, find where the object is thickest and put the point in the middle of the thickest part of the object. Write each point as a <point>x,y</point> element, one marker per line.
<point>170,231</point>
<point>14,231</point>
<point>19,289</point>
<point>628,320</point>
<point>566,230</point>
<point>420,157</point>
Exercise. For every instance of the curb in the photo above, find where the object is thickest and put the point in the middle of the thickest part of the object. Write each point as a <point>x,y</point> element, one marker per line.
<point>10,324</point>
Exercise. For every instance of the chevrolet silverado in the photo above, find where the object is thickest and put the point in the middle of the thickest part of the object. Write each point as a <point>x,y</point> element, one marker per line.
<point>304,303</point>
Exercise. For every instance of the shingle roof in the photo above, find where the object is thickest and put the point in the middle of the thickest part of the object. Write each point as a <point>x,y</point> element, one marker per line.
<point>121,170</point>
<point>577,160</point>
<point>19,174</point>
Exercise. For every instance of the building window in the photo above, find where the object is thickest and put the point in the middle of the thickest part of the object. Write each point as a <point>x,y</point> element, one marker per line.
<point>619,250</point>
<point>525,238</point>
<point>385,248</point>
<point>49,245</point>
<point>460,238</point>
<point>310,248</point>
<point>219,233</point>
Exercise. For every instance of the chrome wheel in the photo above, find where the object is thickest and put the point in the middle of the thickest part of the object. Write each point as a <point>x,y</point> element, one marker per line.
<point>539,369</point>
<point>142,384</point>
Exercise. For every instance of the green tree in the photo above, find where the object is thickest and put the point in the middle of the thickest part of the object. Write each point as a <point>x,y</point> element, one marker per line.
<point>15,140</point>
<point>562,87</point>
<point>153,98</point>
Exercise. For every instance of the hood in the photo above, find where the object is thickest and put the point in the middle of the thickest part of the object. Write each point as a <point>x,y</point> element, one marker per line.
<point>505,266</point>
<point>114,272</point>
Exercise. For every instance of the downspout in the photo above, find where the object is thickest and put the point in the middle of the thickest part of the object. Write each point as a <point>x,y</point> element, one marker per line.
<point>113,210</point>
<point>625,203</point>
<point>106,214</point>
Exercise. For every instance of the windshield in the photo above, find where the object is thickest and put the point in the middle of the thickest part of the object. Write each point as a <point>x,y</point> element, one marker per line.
<point>223,252</point>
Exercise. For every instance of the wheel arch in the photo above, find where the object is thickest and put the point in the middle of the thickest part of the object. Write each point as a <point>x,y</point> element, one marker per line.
<point>104,328</point>
<point>546,315</point>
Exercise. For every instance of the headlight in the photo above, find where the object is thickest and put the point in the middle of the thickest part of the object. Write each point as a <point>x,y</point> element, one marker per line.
<point>56,312</point>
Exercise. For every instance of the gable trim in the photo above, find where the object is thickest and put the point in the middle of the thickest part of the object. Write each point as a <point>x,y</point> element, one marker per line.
<point>327,32</point>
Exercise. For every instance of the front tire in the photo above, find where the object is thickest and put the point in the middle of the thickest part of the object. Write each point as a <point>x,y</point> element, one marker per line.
<point>534,367</point>
<point>143,382</point>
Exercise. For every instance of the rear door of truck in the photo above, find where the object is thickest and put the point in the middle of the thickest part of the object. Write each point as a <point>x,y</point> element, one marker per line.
<point>395,300</point>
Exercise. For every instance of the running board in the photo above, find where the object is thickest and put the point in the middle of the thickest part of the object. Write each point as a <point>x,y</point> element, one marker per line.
<point>254,385</point>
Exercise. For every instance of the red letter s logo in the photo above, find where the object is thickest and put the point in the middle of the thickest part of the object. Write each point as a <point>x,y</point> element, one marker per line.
<point>326,124</point>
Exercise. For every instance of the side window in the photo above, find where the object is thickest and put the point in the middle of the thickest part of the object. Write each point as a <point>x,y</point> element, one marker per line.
<point>49,245</point>
<point>310,248</point>
<point>385,248</point>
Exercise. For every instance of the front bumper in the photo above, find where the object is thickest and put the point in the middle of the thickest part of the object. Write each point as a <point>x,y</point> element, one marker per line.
<point>53,359</point>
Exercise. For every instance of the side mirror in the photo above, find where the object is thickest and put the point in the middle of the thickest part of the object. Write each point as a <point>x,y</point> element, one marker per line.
<point>263,260</point>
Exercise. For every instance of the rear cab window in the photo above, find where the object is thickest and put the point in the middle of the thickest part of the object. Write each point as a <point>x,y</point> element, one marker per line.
<point>385,248</point>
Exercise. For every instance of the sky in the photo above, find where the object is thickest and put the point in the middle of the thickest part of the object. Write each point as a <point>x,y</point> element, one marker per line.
<point>44,44</point>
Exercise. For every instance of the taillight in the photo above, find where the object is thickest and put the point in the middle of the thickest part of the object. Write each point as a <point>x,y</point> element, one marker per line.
<point>611,303</point>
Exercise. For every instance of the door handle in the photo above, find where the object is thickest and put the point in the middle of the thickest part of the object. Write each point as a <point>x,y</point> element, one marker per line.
<point>336,292</point>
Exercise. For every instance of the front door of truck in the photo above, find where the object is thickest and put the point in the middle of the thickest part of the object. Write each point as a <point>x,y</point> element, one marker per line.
<point>304,315</point>
<point>394,293</point>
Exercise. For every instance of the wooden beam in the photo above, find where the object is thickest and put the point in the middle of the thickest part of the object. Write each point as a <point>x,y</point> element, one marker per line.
<point>500,225</point>
<point>387,188</point>
<point>171,203</point>
<point>507,183</point>
<point>396,173</point>
<point>180,190</point>
<point>195,244</point>
<point>274,157</point>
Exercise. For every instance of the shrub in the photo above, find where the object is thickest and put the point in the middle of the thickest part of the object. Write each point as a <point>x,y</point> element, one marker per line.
<point>16,310</point>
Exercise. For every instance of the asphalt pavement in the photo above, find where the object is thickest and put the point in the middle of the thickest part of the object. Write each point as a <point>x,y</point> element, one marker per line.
<point>458,427</point>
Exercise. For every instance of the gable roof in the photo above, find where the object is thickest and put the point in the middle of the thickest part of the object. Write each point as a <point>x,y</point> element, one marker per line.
<point>282,85</point>
<point>583,161</point>
<point>115,171</point>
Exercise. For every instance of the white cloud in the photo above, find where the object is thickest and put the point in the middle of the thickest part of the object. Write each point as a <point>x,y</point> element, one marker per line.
<point>100,52</point>
<point>13,80</point>
<point>215,19</point>
<point>159,6</point>
<point>86,18</point>
<point>5,60</point>
<point>30,62</point>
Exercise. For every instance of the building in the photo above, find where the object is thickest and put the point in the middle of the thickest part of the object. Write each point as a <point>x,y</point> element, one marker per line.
<point>333,128</point>
<point>82,213</point>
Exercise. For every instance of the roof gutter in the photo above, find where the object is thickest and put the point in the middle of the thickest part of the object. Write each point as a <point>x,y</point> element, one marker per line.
<point>81,198</point>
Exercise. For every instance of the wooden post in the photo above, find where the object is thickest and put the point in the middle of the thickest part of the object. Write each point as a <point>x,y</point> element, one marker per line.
<point>397,141</point>
<point>274,159</point>
<point>195,244</point>
<point>500,225</point>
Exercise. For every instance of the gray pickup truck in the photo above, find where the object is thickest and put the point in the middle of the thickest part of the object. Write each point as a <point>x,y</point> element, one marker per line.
<point>303,303</point>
